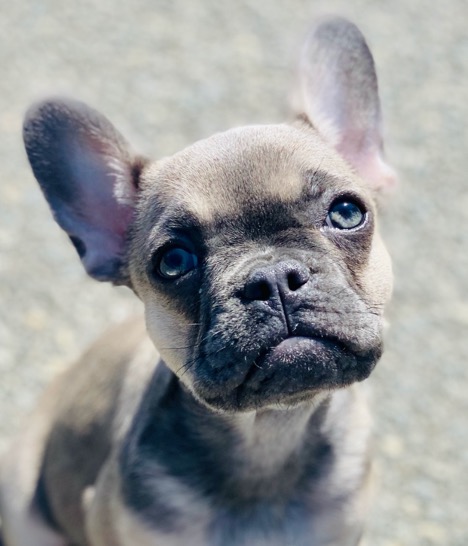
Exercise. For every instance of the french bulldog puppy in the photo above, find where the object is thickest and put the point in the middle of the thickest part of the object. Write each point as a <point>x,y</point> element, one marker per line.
<point>264,280</point>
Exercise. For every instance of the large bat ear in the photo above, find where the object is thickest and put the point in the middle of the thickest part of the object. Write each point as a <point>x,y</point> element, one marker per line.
<point>89,178</point>
<point>338,93</point>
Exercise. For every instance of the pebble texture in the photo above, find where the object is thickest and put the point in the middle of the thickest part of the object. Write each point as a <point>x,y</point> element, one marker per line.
<point>167,72</point>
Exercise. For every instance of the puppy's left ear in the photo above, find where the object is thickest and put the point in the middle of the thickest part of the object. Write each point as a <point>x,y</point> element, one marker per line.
<point>338,93</point>
<point>90,179</point>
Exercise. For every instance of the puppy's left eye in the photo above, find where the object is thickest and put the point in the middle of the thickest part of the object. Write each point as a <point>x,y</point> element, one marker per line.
<point>175,263</point>
<point>345,214</point>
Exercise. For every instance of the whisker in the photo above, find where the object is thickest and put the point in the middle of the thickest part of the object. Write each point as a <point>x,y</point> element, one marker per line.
<point>187,365</point>
<point>178,348</point>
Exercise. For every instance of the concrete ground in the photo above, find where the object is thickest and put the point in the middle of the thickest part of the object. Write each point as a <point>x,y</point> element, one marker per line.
<point>168,72</point>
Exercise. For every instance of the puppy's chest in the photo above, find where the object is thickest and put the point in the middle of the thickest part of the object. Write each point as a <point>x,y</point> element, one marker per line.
<point>261,524</point>
<point>257,525</point>
<point>199,521</point>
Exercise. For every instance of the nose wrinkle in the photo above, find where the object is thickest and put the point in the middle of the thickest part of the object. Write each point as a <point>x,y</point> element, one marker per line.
<point>286,317</point>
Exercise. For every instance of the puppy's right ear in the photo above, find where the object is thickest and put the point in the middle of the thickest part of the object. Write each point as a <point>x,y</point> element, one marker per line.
<point>89,178</point>
<point>337,92</point>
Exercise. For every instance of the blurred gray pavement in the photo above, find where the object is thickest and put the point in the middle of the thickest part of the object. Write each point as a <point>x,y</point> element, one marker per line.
<point>167,72</point>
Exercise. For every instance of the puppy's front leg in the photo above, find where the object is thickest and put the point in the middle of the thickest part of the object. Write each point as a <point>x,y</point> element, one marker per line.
<point>21,523</point>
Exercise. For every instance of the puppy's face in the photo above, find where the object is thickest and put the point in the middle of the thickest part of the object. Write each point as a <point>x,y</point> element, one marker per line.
<point>255,251</point>
<point>256,255</point>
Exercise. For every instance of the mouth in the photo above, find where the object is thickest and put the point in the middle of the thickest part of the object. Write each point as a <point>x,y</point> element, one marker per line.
<point>294,370</point>
<point>296,355</point>
<point>292,348</point>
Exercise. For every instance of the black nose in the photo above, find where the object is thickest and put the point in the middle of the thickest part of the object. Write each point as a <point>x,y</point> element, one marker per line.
<point>276,280</point>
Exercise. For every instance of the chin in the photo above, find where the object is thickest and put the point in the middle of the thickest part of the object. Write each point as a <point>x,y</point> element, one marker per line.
<point>297,370</point>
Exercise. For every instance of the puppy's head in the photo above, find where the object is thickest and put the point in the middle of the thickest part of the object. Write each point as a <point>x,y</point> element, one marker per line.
<point>255,251</point>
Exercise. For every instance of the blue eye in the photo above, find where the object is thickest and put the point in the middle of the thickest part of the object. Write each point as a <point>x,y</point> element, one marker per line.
<point>176,262</point>
<point>345,215</point>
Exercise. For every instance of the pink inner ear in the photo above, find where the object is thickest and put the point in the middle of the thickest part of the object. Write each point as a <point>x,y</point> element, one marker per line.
<point>360,148</point>
<point>101,209</point>
<point>104,184</point>
<point>369,165</point>
<point>358,144</point>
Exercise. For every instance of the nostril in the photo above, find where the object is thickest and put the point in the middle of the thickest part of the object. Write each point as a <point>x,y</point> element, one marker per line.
<point>263,291</point>
<point>259,290</point>
<point>275,281</point>
<point>297,278</point>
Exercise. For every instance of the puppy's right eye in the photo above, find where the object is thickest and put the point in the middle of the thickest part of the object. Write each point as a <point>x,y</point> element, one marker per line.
<point>175,262</point>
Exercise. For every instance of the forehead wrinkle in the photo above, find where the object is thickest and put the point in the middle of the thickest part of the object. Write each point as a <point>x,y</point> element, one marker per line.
<point>250,179</point>
<point>241,180</point>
